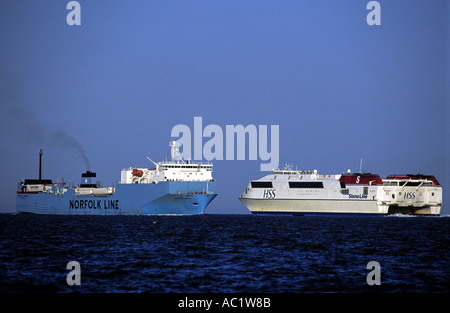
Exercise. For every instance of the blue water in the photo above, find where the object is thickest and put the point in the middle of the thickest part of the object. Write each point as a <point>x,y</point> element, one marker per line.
<point>223,253</point>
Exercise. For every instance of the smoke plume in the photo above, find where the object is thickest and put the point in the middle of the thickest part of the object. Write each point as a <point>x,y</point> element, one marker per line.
<point>20,119</point>
<point>63,140</point>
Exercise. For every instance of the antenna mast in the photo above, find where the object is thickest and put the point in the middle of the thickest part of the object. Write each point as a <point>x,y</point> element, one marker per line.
<point>175,152</point>
<point>40,164</point>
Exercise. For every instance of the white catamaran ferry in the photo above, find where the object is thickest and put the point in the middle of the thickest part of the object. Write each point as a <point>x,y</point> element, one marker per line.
<point>294,192</point>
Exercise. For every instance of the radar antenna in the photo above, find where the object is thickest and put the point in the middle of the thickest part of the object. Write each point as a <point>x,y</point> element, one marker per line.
<point>175,151</point>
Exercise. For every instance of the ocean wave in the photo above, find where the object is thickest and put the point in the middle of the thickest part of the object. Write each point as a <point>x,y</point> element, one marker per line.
<point>223,253</point>
<point>401,215</point>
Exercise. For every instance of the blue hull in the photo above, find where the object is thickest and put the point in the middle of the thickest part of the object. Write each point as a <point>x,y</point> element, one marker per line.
<point>173,197</point>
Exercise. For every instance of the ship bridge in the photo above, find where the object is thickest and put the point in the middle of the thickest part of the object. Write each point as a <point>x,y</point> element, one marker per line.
<point>175,170</point>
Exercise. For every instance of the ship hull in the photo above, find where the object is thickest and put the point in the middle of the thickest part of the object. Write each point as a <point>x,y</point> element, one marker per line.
<point>310,207</point>
<point>173,197</point>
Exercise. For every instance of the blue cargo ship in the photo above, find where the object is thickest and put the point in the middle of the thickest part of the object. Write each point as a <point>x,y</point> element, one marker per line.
<point>173,187</point>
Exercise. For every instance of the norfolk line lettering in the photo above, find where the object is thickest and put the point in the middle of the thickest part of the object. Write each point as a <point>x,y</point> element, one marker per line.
<point>94,204</point>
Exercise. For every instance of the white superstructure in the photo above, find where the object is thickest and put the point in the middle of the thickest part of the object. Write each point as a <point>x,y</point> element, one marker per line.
<point>294,192</point>
<point>175,170</point>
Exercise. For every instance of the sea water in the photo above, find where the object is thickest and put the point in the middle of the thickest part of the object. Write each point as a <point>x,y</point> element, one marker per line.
<point>223,253</point>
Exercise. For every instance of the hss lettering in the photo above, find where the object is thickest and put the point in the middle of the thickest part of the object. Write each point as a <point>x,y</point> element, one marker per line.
<point>409,195</point>
<point>269,194</point>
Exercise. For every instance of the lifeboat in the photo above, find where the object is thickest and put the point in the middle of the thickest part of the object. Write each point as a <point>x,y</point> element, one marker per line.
<point>137,172</point>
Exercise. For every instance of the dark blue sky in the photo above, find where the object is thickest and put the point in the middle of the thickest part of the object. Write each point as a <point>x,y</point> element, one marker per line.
<point>338,88</point>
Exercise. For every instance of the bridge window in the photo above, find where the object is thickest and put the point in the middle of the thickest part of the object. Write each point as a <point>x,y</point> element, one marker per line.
<point>305,184</point>
<point>261,184</point>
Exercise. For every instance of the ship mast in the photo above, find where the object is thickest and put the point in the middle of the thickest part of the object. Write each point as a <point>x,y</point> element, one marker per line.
<point>40,165</point>
<point>175,151</point>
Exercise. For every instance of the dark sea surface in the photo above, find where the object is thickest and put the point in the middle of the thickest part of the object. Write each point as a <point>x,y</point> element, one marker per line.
<point>224,253</point>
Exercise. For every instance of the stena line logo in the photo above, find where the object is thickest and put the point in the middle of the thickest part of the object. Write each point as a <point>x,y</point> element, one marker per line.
<point>352,196</point>
<point>235,140</point>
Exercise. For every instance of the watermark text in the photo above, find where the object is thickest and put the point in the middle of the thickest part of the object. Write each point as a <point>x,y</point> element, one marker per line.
<point>235,142</point>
